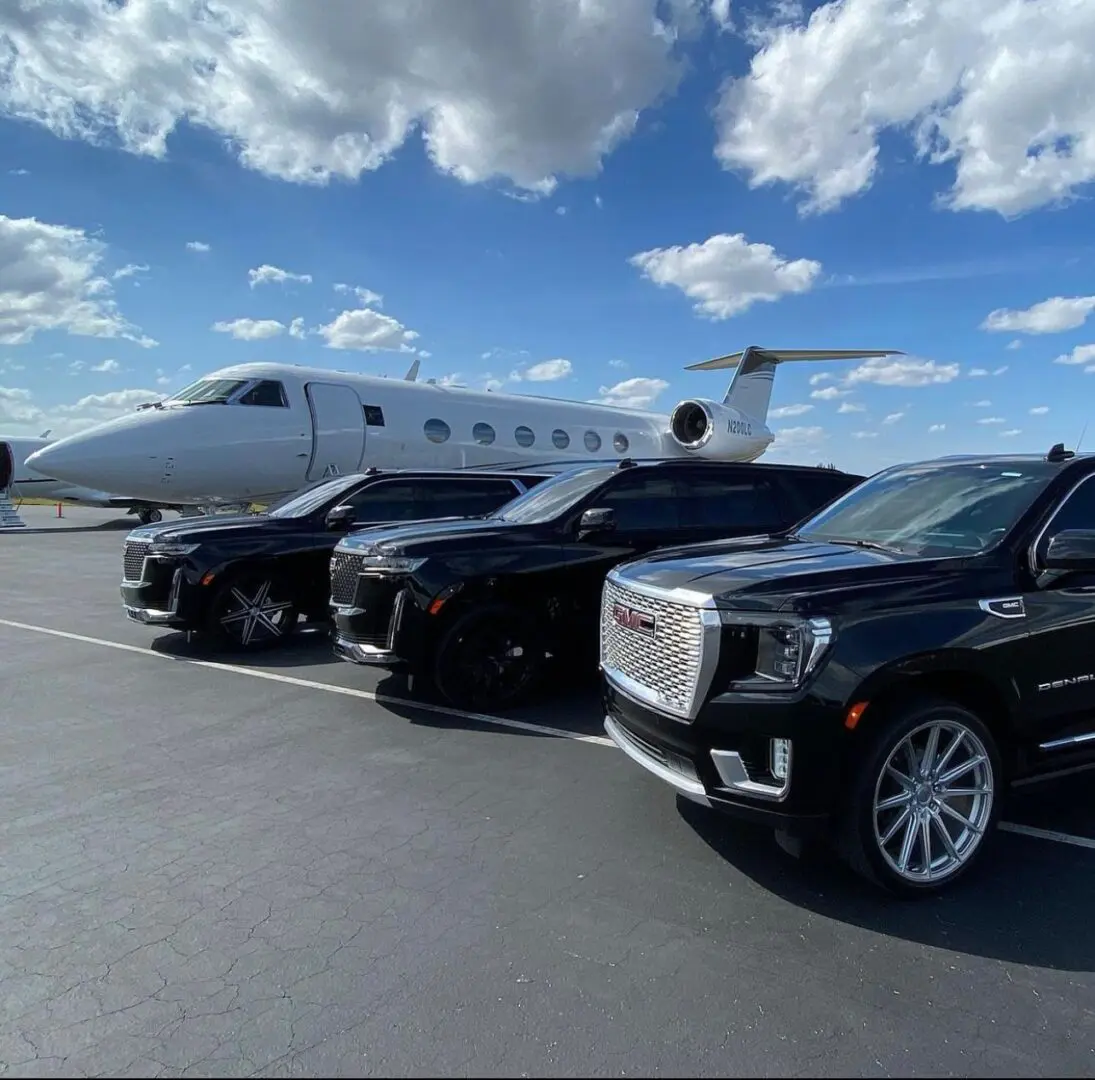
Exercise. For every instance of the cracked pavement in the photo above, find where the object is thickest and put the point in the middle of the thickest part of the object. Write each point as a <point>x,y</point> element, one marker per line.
<point>205,874</point>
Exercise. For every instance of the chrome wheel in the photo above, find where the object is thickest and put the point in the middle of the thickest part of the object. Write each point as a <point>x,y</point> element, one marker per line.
<point>252,613</point>
<point>933,801</point>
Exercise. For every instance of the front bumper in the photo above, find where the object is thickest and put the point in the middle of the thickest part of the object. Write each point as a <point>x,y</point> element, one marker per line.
<point>361,652</point>
<point>721,759</point>
<point>157,600</point>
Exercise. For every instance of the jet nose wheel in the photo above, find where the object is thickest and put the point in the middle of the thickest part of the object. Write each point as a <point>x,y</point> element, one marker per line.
<point>149,517</point>
<point>251,613</point>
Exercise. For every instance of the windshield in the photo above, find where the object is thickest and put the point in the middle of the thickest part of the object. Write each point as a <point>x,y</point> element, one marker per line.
<point>302,503</point>
<point>958,509</point>
<point>207,391</point>
<point>550,498</point>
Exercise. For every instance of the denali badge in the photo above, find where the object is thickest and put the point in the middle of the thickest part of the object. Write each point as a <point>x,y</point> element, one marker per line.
<point>630,619</point>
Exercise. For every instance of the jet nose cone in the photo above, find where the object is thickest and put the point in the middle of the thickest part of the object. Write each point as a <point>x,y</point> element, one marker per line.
<point>105,458</point>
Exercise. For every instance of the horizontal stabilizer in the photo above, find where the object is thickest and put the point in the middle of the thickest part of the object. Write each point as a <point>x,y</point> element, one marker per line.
<point>780,356</point>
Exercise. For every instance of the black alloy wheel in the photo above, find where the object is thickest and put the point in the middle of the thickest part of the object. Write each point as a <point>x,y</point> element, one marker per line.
<point>488,659</point>
<point>252,612</point>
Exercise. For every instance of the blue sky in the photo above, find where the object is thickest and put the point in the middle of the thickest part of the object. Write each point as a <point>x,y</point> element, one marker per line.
<point>492,182</point>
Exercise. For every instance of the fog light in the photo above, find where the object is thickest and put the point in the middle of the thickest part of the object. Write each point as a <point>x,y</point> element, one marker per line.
<point>779,757</point>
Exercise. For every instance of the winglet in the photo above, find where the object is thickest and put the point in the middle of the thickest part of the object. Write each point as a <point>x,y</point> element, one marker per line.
<point>780,356</point>
<point>412,371</point>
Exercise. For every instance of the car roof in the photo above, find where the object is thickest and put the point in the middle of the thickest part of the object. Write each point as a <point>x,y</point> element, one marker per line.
<point>759,466</point>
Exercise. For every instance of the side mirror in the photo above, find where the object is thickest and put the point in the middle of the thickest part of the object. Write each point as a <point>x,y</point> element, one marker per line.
<point>1071,549</point>
<point>599,519</point>
<point>339,517</point>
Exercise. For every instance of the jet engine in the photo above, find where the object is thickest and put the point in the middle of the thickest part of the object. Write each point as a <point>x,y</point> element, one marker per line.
<point>712,430</point>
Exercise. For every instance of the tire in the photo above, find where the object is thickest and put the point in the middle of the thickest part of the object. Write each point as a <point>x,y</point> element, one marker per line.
<point>488,659</point>
<point>252,611</point>
<point>154,517</point>
<point>877,839</point>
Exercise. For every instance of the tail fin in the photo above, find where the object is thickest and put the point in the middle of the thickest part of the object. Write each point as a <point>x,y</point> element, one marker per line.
<point>750,390</point>
<point>412,371</point>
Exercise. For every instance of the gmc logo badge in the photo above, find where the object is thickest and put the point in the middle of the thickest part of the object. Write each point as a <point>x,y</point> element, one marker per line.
<point>630,619</point>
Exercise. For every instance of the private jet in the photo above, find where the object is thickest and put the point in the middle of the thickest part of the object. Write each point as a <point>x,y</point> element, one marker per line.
<point>20,482</point>
<point>253,432</point>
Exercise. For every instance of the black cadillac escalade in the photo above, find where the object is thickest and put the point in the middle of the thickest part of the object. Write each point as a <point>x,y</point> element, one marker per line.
<point>880,675</point>
<point>477,608</point>
<point>247,582</point>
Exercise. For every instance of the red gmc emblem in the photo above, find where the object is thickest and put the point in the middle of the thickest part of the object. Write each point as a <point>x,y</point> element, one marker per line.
<point>630,619</point>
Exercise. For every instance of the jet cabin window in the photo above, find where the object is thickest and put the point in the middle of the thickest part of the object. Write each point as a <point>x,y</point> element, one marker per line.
<point>374,415</point>
<point>268,393</point>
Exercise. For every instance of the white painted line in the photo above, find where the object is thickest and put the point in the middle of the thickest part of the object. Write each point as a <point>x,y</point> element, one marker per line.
<point>311,684</point>
<point>384,699</point>
<point>1048,834</point>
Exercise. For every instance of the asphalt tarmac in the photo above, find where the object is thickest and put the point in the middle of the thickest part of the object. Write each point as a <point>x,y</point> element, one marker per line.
<point>210,868</point>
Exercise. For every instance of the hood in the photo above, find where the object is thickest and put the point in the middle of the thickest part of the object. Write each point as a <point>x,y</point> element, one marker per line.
<point>767,573</point>
<point>215,526</point>
<point>425,537</point>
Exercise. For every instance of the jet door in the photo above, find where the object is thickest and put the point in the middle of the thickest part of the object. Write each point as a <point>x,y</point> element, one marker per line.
<point>338,430</point>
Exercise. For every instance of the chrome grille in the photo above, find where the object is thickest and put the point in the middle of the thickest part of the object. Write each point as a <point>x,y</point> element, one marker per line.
<point>133,559</point>
<point>345,568</point>
<point>664,662</point>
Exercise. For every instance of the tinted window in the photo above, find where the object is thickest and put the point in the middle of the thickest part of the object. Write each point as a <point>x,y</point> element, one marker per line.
<point>524,436</point>
<point>483,434</point>
<point>560,438</point>
<point>619,442</point>
<point>208,390</point>
<point>932,509</point>
<point>267,393</point>
<point>1077,512</point>
<point>387,500</point>
<point>811,491</point>
<point>730,503</point>
<point>463,498</point>
<point>302,503</point>
<point>374,415</point>
<point>592,441</point>
<point>642,502</point>
<point>550,499</point>
<point>436,430</point>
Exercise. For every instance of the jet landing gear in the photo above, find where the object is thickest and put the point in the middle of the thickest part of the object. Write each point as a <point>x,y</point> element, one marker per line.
<point>147,515</point>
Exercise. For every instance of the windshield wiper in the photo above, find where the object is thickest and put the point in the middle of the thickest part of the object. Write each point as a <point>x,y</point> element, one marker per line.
<point>873,545</point>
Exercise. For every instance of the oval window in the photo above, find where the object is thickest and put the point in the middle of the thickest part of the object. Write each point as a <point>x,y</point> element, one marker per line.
<point>525,436</point>
<point>436,430</point>
<point>560,438</point>
<point>483,434</point>
<point>619,441</point>
<point>592,441</point>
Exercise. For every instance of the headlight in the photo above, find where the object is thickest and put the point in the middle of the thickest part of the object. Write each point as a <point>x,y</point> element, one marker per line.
<point>172,549</point>
<point>788,650</point>
<point>390,564</point>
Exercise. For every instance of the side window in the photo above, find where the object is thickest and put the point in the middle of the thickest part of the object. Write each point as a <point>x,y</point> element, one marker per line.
<point>806,494</point>
<point>388,500</point>
<point>457,497</point>
<point>374,415</point>
<point>1076,512</point>
<point>642,503</point>
<point>735,503</point>
<point>268,393</point>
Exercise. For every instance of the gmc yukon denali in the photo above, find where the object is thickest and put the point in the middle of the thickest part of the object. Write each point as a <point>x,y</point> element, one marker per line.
<point>879,676</point>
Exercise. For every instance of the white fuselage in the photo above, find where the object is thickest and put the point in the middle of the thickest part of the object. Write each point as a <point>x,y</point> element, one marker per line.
<point>276,427</point>
<point>30,484</point>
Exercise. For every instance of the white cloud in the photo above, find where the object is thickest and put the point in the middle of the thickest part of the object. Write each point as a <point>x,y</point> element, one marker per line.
<point>16,406</point>
<point>1051,316</point>
<point>977,372</point>
<point>367,331</point>
<point>982,404</point>
<point>1082,354</point>
<point>793,439</point>
<point>108,367</point>
<point>561,211</point>
<point>311,92</point>
<point>991,420</point>
<point>892,418</point>
<point>726,275</point>
<point>720,13</point>
<point>1015,343</point>
<point>598,201</point>
<point>621,364</point>
<point>545,371</point>
<point>197,245</point>
<point>908,371</point>
<point>1010,432</point>
<point>296,328</point>
<point>1039,410</point>
<point>789,410</point>
<point>829,393</point>
<point>821,377</point>
<point>249,329</point>
<point>851,406</point>
<point>988,85</point>
<point>367,297</point>
<point>636,393</point>
<point>129,270</point>
<point>1000,370</point>
<point>49,280</point>
<point>267,275</point>
<point>864,434</point>
<point>937,427</point>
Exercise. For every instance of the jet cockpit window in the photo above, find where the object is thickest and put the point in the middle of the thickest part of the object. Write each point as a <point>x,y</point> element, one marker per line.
<point>207,392</point>
<point>268,393</point>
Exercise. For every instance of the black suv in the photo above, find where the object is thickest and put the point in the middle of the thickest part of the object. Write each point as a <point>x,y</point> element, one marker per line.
<point>246,581</point>
<point>476,608</point>
<point>880,675</point>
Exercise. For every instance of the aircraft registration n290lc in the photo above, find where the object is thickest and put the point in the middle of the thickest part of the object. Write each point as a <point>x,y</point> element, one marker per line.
<point>254,432</point>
